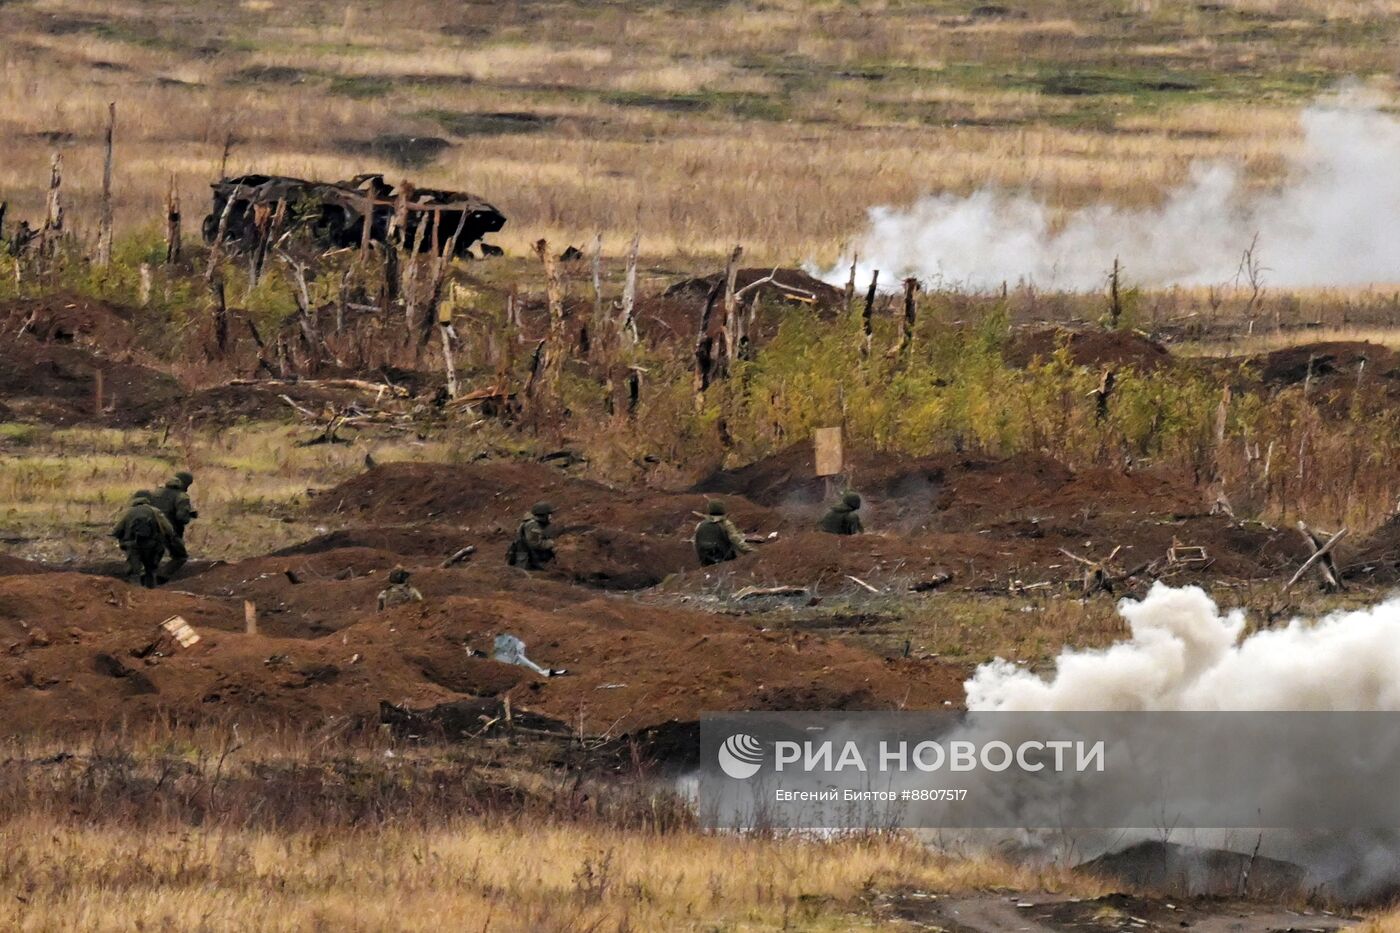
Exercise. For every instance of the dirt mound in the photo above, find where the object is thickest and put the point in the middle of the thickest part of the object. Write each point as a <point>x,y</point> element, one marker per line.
<point>418,492</point>
<point>1170,868</point>
<point>406,540</point>
<point>70,320</point>
<point>604,537</point>
<point>1336,363</point>
<point>58,384</point>
<point>787,285</point>
<point>79,653</point>
<point>263,401</point>
<point>954,492</point>
<point>1376,557</point>
<point>18,566</point>
<point>1094,349</point>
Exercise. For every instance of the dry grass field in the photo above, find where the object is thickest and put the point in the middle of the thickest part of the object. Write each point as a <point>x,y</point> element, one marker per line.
<point>699,124</point>
<point>703,124</point>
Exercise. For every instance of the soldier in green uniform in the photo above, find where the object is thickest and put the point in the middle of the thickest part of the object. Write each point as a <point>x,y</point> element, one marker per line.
<point>532,548</point>
<point>144,533</point>
<point>174,500</point>
<point>842,518</point>
<point>398,592</point>
<point>716,538</point>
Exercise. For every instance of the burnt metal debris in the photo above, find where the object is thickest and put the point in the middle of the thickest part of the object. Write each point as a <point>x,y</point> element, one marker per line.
<point>334,213</point>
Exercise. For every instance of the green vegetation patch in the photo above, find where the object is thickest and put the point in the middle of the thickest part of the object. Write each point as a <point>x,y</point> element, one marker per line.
<point>475,123</point>
<point>741,104</point>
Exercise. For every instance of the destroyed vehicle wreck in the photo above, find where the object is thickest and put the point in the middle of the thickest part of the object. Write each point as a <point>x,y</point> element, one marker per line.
<point>254,208</point>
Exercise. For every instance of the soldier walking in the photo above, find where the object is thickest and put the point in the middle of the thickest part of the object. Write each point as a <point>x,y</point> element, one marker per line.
<point>144,533</point>
<point>716,538</point>
<point>173,499</point>
<point>842,518</point>
<point>532,547</point>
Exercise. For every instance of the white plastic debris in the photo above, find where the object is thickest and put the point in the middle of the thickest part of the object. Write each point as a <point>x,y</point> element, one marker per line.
<point>511,650</point>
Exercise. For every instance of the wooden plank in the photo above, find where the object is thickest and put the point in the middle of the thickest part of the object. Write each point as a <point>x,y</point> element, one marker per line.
<point>830,452</point>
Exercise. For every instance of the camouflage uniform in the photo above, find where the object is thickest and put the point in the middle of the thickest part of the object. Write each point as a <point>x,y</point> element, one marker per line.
<point>842,519</point>
<point>716,538</point>
<point>398,592</point>
<point>532,548</point>
<point>143,533</point>
<point>174,500</point>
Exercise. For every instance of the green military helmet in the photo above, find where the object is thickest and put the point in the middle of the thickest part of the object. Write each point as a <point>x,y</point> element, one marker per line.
<point>175,483</point>
<point>542,510</point>
<point>851,500</point>
<point>141,494</point>
<point>715,507</point>
<point>186,478</point>
<point>398,575</point>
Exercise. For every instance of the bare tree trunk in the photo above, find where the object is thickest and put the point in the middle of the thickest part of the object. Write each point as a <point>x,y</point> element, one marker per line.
<point>53,208</point>
<point>731,312</point>
<point>599,319</point>
<point>627,330</point>
<point>705,345</point>
<point>1115,295</point>
<point>867,324</point>
<point>220,315</point>
<point>851,284</point>
<point>172,223</point>
<point>447,359</point>
<point>555,350</point>
<point>216,248</point>
<point>104,221</point>
<point>911,311</point>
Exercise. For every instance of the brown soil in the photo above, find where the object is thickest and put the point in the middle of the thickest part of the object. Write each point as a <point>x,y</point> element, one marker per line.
<point>73,643</point>
<point>1095,349</point>
<point>1336,363</point>
<point>825,296</point>
<point>630,665</point>
<point>1376,558</point>
<point>56,384</point>
<point>70,320</point>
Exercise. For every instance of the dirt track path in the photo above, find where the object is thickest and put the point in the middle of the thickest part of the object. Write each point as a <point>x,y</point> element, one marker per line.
<point>1051,914</point>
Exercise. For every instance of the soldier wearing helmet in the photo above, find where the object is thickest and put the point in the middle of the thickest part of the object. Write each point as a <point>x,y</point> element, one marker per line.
<point>716,538</point>
<point>842,518</point>
<point>143,532</point>
<point>532,547</point>
<point>399,591</point>
<point>173,500</point>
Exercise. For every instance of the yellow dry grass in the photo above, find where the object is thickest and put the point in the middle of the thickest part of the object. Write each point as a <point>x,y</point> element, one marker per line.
<point>1267,341</point>
<point>63,489</point>
<point>466,875</point>
<point>776,125</point>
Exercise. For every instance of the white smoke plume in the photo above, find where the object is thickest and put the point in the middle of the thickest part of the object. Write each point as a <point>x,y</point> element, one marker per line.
<point>1331,223</point>
<point>1184,655</point>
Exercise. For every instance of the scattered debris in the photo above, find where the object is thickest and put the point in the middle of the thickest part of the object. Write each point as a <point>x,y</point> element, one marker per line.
<point>930,583</point>
<point>758,592</point>
<point>456,557</point>
<point>510,650</point>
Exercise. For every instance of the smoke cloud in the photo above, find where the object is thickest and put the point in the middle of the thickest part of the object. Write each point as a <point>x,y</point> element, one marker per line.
<point>1184,655</point>
<point>1331,223</point>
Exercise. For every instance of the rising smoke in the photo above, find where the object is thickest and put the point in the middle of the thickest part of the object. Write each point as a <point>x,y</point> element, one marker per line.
<point>1331,223</point>
<point>1183,654</point>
